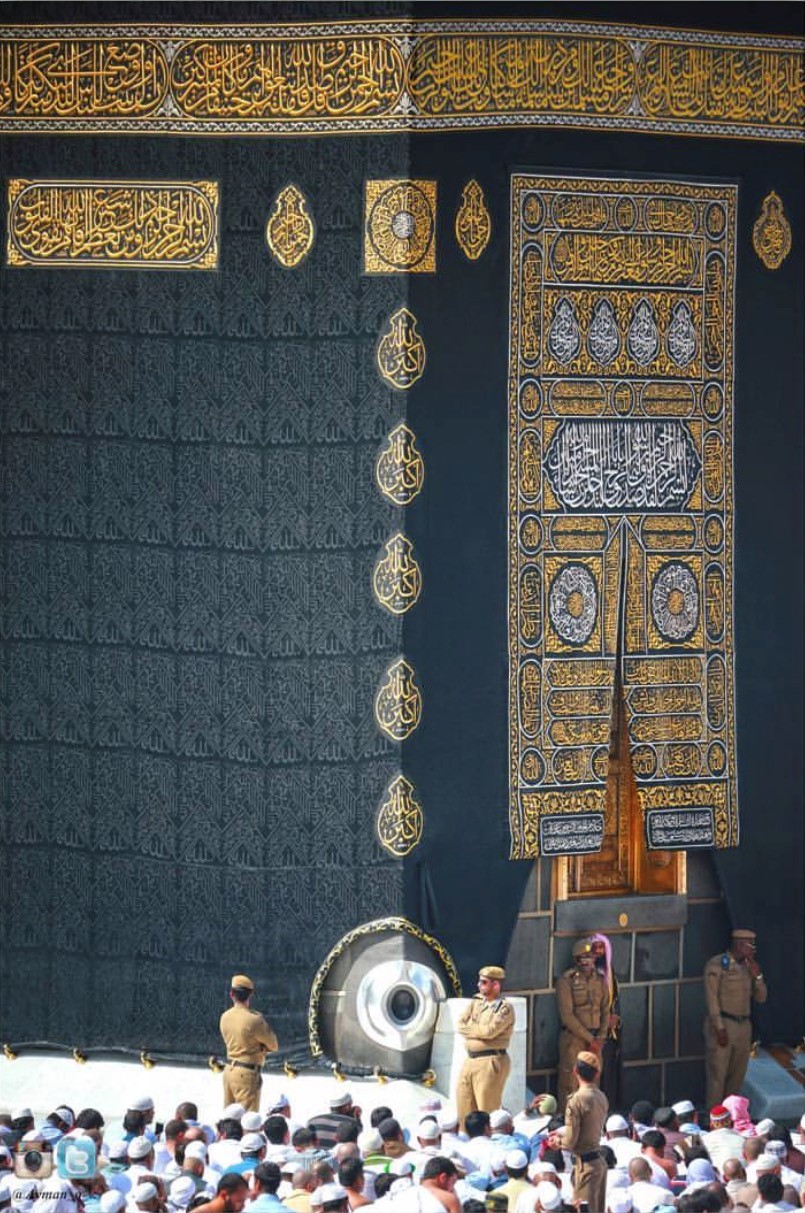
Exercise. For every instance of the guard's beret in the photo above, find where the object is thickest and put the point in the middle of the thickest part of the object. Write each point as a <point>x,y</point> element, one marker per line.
<point>239,982</point>
<point>493,972</point>
<point>749,936</point>
<point>582,947</point>
<point>589,1058</point>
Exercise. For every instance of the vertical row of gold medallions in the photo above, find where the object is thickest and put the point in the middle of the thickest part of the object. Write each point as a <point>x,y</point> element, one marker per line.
<point>399,237</point>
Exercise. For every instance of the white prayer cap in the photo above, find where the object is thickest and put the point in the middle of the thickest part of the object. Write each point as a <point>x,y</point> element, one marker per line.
<point>198,1150</point>
<point>499,1117</point>
<point>516,1160</point>
<point>143,1192</point>
<point>251,1122</point>
<point>683,1108</point>
<point>113,1201</point>
<point>549,1197</point>
<point>181,1191</point>
<point>143,1104</point>
<point>233,1111</point>
<point>140,1147</point>
<point>616,1124</point>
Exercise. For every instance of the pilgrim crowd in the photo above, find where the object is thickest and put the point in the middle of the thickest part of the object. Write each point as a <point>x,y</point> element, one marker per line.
<point>658,1160</point>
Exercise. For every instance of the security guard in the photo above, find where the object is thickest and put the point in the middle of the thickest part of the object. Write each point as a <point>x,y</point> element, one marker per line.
<point>732,981</point>
<point>585,1117</point>
<point>582,997</point>
<point>486,1025</point>
<point>247,1038</point>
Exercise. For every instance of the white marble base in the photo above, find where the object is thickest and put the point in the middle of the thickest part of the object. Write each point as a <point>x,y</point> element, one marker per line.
<point>449,1052</point>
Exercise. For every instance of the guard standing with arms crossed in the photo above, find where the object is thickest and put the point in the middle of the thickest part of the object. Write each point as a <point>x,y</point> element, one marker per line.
<point>582,998</point>
<point>247,1038</point>
<point>732,981</point>
<point>486,1025</point>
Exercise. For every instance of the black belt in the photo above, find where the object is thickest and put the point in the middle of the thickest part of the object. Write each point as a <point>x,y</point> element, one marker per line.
<point>735,1018</point>
<point>244,1065</point>
<point>488,1053</point>
<point>590,1156</point>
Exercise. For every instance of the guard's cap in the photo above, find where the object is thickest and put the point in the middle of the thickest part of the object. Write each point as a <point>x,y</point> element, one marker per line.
<point>182,1191</point>
<point>141,1147</point>
<point>684,1107</point>
<point>663,1117</point>
<point>198,1150</point>
<point>250,1143</point>
<point>241,982</point>
<point>582,947</point>
<point>143,1192</point>
<point>22,1114</point>
<point>340,1099</point>
<point>548,1196</point>
<point>619,1202</point>
<point>428,1130</point>
<point>719,1112</point>
<point>516,1160</point>
<point>251,1122</point>
<point>144,1104</point>
<point>233,1111</point>
<point>589,1058</point>
<point>617,1123</point>
<point>499,1118</point>
<point>492,972</point>
<point>767,1162</point>
<point>749,936</point>
<point>114,1201</point>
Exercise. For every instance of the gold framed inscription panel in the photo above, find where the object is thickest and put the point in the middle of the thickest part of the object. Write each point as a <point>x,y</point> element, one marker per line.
<point>621,508</point>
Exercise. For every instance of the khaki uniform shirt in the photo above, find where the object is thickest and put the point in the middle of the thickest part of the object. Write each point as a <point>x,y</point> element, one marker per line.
<point>585,1116</point>
<point>730,987</point>
<point>486,1025</point>
<point>246,1034</point>
<point>583,1003</point>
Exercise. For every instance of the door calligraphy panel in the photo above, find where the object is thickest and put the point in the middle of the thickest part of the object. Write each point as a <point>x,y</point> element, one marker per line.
<point>620,508</point>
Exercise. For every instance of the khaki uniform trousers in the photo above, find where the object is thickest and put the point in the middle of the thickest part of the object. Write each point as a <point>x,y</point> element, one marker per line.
<point>569,1048</point>
<point>480,1084</point>
<point>726,1067</point>
<point>243,1087</point>
<point>590,1184</point>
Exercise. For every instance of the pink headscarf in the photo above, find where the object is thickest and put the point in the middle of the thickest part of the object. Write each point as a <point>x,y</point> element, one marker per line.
<point>738,1108</point>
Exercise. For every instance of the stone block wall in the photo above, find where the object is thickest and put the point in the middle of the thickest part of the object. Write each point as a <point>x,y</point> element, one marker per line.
<point>659,968</point>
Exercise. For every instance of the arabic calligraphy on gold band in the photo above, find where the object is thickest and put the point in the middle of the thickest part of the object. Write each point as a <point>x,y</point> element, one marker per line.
<point>398,703</point>
<point>401,351</point>
<point>359,77</point>
<point>400,819</point>
<point>400,469</point>
<point>289,231</point>
<point>771,234</point>
<point>473,225</point>
<point>140,225</point>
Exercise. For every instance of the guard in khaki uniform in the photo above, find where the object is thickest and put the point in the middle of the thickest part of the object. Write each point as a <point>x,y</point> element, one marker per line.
<point>582,998</point>
<point>247,1038</point>
<point>731,981</point>
<point>486,1025</point>
<point>585,1117</point>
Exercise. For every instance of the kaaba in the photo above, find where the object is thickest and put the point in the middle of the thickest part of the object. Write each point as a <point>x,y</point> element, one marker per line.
<point>401,537</point>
